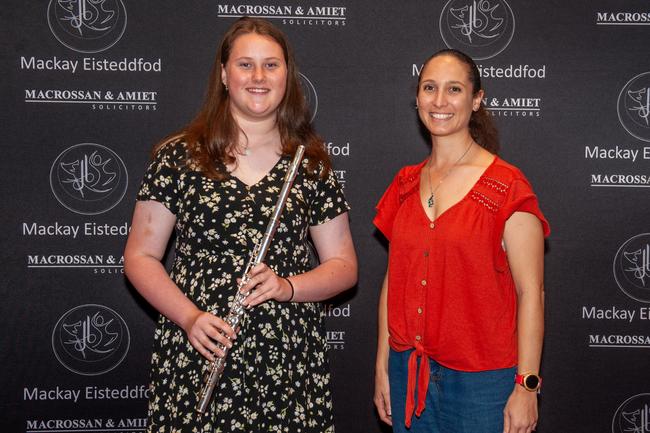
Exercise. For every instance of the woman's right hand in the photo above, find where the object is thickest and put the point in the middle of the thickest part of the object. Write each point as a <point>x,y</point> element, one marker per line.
<point>151,228</point>
<point>382,385</point>
<point>382,396</point>
<point>205,331</point>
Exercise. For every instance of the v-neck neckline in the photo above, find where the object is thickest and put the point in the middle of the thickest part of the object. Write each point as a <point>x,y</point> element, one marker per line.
<point>421,206</point>
<point>261,179</point>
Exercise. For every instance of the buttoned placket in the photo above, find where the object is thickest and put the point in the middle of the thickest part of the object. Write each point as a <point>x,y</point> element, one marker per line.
<point>422,295</point>
<point>424,282</point>
<point>416,403</point>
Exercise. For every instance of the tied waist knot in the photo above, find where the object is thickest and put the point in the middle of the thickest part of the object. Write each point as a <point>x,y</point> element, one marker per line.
<point>422,382</point>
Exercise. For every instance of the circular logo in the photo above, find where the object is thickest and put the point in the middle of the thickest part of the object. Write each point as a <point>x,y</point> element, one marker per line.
<point>633,415</point>
<point>88,178</point>
<point>480,28</point>
<point>90,339</point>
<point>632,267</point>
<point>634,106</point>
<point>311,97</point>
<point>87,26</point>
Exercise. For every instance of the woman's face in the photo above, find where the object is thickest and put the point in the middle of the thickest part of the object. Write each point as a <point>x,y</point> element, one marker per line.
<point>444,100</point>
<point>256,77</point>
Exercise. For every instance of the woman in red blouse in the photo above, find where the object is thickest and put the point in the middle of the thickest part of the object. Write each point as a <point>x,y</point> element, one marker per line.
<point>461,313</point>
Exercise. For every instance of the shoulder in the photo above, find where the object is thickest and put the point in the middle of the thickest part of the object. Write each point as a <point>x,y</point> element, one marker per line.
<point>408,176</point>
<point>308,161</point>
<point>407,180</point>
<point>174,148</point>
<point>410,173</point>
<point>505,172</point>
<point>313,169</point>
<point>514,190</point>
<point>174,153</point>
<point>318,179</point>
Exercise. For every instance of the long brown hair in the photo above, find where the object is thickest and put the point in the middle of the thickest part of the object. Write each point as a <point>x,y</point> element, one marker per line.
<point>213,134</point>
<point>481,126</point>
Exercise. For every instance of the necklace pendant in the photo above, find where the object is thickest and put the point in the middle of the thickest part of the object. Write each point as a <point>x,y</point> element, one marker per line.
<point>430,201</point>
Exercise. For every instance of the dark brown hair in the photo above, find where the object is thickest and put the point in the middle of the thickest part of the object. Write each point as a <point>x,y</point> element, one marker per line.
<point>481,126</point>
<point>213,134</point>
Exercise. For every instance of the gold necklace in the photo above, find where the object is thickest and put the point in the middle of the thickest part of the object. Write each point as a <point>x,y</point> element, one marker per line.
<point>431,201</point>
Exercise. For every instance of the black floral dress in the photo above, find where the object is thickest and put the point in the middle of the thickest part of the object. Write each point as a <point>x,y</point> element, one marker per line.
<point>276,377</point>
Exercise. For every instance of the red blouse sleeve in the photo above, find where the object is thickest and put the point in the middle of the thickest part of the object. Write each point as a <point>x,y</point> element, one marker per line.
<point>387,209</point>
<point>522,199</point>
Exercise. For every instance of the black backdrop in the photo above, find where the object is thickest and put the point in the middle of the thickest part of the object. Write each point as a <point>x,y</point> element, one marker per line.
<point>89,86</point>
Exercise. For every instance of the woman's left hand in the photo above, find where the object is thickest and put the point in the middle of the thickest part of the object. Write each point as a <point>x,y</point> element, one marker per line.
<point>265,285</point>
<point>520,414</point>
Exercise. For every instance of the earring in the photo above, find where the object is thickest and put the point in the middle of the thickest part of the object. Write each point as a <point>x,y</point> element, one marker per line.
<point>226,86</point>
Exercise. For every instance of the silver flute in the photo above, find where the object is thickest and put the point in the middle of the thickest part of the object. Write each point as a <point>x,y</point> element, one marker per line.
<point>237,309</point>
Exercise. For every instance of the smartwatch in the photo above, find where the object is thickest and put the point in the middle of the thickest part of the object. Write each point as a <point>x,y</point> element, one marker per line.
<point>530,381</point>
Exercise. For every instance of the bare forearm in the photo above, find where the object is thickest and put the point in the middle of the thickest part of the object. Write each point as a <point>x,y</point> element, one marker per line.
<point>521,411</point>
<point>530,329</point>
<point>151,280</point>
<point>381,363</point>
<point>382,383</point>
<point>325,281</point>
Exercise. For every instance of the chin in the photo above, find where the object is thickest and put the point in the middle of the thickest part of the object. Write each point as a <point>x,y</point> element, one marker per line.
<point>262,115</point>
<point>439,132</point>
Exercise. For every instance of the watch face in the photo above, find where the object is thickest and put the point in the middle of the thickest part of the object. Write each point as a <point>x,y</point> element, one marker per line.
<point>531,381</point>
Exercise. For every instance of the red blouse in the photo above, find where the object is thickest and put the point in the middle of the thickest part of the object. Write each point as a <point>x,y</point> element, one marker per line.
<point>451,295</point>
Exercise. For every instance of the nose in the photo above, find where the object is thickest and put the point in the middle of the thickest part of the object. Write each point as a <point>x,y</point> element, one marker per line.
<point>258,74</point>
<point>439,99</point>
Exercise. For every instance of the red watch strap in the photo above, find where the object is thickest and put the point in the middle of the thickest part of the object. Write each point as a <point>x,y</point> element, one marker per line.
<point>519,380</point>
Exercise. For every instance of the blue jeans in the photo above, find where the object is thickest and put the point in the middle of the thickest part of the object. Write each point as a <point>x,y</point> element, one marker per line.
<point>456,401</point>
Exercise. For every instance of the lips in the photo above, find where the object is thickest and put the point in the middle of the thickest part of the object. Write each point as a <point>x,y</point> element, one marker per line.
<point>441,116</point>
<point>257,90</point>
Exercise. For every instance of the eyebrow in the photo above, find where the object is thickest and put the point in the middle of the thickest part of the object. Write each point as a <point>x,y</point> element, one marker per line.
<point>252,58</point>
<point>447,82</point>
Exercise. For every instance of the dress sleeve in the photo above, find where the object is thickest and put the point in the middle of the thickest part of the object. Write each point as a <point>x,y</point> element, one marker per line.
<point>161,180</point>
<point>522,199</point>
<point>387,209</point>
<point>328,202</point>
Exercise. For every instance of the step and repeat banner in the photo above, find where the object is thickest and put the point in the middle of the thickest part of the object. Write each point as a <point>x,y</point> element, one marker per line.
<point>88,86</point>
